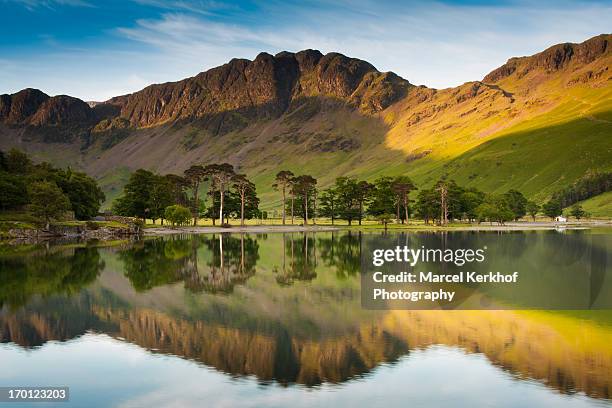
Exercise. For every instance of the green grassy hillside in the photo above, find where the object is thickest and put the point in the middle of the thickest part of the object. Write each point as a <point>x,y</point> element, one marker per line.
<point>598,206</point>
<point>536,161</point>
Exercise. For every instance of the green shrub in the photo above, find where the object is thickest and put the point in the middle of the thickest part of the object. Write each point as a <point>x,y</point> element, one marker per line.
<point>177,215</point>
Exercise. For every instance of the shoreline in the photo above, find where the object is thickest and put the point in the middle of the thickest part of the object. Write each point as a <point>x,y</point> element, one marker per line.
<point>104,234</point>
<point>514,226</point>
<point>157,231</point>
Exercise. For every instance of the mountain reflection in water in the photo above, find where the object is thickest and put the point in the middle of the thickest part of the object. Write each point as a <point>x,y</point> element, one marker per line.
<point>285,308</point>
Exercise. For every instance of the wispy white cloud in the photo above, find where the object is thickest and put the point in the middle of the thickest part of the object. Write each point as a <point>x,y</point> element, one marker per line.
<point>34,4</point>
<point>205,7</point>
<point>187,35</point>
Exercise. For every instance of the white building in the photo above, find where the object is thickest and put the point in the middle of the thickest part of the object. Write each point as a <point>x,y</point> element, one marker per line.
<point>560,218</point>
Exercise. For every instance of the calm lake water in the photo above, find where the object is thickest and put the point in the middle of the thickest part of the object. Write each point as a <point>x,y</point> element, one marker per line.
<point>256,320</point>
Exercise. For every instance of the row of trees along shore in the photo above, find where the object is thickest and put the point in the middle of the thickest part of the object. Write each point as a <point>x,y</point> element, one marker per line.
<point>388,198</point>
<point>218,192</point>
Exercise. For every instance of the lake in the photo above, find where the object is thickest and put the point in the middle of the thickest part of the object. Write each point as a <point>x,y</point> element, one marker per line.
<point>276,320</point>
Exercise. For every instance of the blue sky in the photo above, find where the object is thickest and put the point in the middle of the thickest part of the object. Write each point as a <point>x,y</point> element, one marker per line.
<point>98,49</point>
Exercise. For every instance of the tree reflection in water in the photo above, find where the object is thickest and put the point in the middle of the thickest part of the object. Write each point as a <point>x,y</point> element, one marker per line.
<point>46,271</point>
<point>343,252</point>
<point>301,251</point>
<point>209,263</point>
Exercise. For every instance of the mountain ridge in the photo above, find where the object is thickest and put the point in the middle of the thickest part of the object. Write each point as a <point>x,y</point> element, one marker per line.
<point>338,76</point>
<point>554,57</point>
<point>262,88</point>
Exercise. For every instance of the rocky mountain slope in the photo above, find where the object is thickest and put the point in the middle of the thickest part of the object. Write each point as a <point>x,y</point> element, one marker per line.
<point>221,99</point>
<point>536,123</point>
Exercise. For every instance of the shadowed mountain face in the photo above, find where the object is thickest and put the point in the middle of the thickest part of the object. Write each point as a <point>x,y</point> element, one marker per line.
<point>227,96</point>
<point>240,91</point>
<point>331,115</point>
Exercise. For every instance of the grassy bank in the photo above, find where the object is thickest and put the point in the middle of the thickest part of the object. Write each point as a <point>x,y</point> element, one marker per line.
<point>22,224</point>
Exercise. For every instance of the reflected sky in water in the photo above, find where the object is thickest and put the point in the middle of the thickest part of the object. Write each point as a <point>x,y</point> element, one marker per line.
<point>437,376</point>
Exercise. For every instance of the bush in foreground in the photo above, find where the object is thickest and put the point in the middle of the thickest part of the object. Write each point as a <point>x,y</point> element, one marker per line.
<point>177,215</point>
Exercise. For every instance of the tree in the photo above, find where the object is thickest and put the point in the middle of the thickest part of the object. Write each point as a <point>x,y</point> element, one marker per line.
<point>402,186</point>
<point>283,182</point>
<point>13,191</point>
<point>442,188</point>
<point>486,212</point>
<point>532,209</point>
<point>364,189</point>
<point>495,208</point>
<point>428,205</point>
<point>195,175</point>
<point>293,197</point>
<point>470,200</point>
<point>161,197</point>
<point>328,206</point>
<point>220,175</point>
<point>3,166</point>
<point>177,214</point>
<point>347,198</point>
<point>212,210</point>
<point>232,205</point>
<point>47,201</point>
<point>304,186</point>
<point>504,214</point>
<point>552,209</point>
<point>177,186</point>
<point>449,197</point>
<point>517,203</point>
<point>447,201</point>
<point>84,194</point>
<point>591,184</point>
<point>315,196</point>
<point>243,186</point>
<point>17,162</point>
<point>136,198</point>
<point>577,211</point>
<point>382,197</point>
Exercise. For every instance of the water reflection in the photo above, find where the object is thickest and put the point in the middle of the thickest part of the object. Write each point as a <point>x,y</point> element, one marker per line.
<point>299,259</point>
<point>45,272</point>
<point>285,308</point>
<point>227,260</point>
<point>342,252</point>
